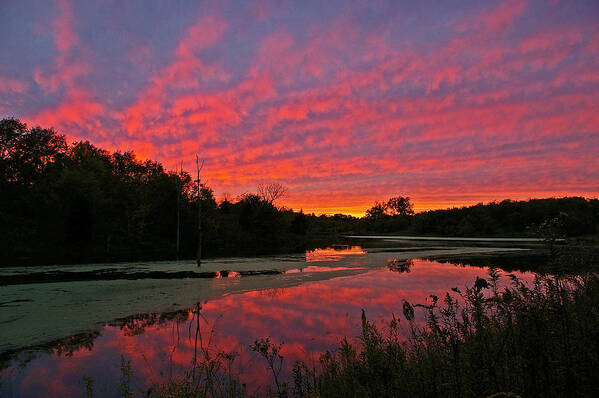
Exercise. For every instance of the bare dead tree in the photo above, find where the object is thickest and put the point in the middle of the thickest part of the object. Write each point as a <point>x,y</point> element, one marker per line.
<point>179,188</point>
<point>271,192</point>
<point>199,167</point>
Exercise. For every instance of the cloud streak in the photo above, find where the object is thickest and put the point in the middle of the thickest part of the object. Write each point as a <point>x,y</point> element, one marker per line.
<point>343,103</point>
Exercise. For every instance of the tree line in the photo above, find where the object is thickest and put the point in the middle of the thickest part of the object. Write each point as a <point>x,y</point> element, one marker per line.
<point>75,203</point>
<point>574,216</point>
<point>66,202</point>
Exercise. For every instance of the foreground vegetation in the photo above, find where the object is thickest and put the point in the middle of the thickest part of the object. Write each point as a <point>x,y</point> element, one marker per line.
<point>496,336</point>
<point>537,341</point>
<point>77,203</point>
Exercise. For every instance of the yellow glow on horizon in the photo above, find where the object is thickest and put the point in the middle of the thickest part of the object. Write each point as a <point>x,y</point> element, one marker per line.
<point>422,205</point>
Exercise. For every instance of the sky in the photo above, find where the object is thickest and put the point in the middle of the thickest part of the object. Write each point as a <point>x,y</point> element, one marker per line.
<point>451,103</point>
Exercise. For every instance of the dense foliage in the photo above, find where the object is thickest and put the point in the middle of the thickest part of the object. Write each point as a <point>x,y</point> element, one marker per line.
<point>78,203</point>
<point>74,203</point>
<point>577,216</point>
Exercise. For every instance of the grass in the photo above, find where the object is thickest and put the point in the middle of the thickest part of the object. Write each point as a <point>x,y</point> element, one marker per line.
<point>532,341</point>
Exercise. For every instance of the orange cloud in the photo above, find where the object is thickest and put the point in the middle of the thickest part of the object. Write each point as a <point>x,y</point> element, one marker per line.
<point>342,105</point>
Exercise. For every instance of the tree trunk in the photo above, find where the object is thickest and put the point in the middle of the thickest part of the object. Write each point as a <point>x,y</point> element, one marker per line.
<point>199,255</point>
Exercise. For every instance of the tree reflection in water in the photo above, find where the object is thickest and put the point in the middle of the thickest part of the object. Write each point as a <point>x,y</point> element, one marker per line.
<point>210,341</point>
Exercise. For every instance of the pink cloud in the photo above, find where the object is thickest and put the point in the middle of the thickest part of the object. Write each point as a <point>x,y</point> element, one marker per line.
<point>10,85</point>
<point>345,109</point>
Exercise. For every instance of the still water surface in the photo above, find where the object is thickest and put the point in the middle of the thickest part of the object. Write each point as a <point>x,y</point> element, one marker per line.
<point>308,318</point>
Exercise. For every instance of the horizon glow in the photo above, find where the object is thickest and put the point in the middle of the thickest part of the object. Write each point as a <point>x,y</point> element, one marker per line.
<point>343,102</point>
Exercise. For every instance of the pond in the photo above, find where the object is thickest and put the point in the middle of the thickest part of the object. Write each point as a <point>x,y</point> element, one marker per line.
<point>313,302</point>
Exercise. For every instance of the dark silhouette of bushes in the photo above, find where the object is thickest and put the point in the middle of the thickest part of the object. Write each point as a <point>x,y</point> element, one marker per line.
<point>509,217</point>
<point>579,216</point>
<point>75,203</point>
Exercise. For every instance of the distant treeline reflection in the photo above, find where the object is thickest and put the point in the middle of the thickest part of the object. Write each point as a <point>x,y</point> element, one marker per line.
<point>77,203</point>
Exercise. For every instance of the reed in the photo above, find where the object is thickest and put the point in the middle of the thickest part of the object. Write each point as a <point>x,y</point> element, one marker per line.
<point>517,339</point>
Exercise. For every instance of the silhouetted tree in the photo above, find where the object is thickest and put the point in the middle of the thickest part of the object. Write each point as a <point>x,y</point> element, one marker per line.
<point>68,203</point>
<point>400,206</point>
<point>377,211</point>
<point>299,224</point>
<point>271,192</point>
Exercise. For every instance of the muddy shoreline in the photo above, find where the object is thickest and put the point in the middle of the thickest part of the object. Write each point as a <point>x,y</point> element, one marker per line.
<point>111,275</point>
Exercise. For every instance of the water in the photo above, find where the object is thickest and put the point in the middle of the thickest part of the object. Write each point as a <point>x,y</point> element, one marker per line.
<point>310,307</point>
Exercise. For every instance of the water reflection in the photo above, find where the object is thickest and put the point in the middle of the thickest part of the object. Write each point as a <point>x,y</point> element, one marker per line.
<point>309,319</point>
<point>333,253</point>
<point>400,266</point>
<point>311,268</point>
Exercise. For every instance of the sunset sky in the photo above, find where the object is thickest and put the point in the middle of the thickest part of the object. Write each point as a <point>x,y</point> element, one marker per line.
<point>345,103</point>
